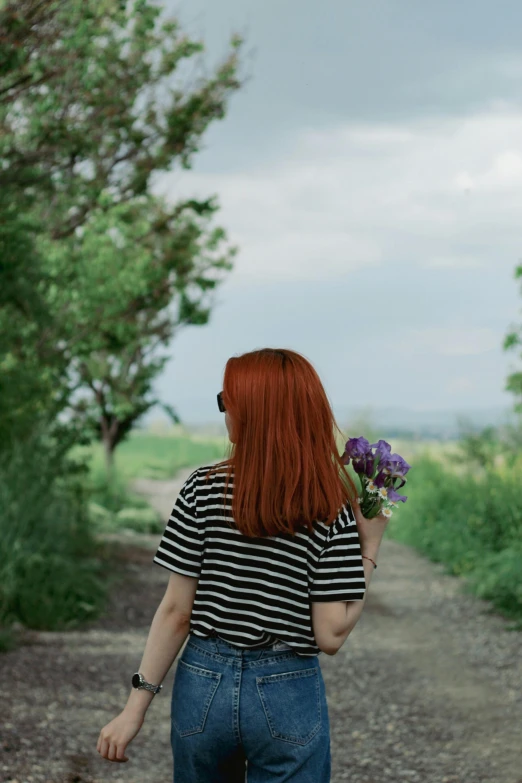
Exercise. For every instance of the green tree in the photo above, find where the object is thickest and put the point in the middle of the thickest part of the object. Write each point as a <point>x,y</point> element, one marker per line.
<point>96,99</point>
<point>31,369</point>
<point>135,275</point>
<point>93,98</point>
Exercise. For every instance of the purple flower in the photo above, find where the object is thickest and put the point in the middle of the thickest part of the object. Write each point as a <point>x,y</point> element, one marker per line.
<point>359,464</point>
<point>381,447</point>
<point>382,452</point>
<point>357,447</point>
<point>398,466</point>
<point>380,479</point>
<point>359,451</point>
<point>395,468</point>
<point>394,496</point>
<point>376,462</point>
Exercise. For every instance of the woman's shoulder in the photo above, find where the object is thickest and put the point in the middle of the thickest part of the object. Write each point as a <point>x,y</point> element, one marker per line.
<point>345,517</point>
<point>211,472</point>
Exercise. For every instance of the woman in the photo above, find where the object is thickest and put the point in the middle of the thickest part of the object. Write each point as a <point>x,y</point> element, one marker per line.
<point>270,561</point>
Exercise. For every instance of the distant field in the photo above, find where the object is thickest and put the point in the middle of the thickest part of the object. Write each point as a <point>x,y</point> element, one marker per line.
<point>151,455</point>
<point>412,449</point>
<point>147,455</point>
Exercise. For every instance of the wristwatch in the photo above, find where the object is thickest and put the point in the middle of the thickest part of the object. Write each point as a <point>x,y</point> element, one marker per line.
<point>139,682</point>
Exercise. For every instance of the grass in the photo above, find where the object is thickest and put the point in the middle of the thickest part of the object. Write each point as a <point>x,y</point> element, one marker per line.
<point>113,504</point>
<point>470,521</point>
<point>145,455</point>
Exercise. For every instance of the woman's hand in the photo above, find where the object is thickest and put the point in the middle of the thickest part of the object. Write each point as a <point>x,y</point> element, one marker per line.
<point>371,531</point>
<point>116,735</point>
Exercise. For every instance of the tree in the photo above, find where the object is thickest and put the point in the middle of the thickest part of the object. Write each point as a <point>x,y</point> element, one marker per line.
<point>89,102</point>
<point>140,271</point>
<point>95,100</point>
<point>30,367</point>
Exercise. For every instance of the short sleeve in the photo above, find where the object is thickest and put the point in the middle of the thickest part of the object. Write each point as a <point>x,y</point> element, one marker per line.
<point>181,545</point>
<point>339,572</point>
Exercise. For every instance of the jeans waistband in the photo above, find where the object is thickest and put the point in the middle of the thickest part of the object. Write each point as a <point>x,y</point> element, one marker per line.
<point>277,645</point>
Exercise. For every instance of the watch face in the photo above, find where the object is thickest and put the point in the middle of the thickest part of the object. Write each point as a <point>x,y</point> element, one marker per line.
<point>136,679</point>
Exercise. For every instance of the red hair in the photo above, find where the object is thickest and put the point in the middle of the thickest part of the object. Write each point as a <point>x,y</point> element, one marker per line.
<point>286,468</point>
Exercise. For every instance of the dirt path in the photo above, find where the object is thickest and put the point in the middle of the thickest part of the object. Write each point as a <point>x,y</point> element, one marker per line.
<point>428,687</point>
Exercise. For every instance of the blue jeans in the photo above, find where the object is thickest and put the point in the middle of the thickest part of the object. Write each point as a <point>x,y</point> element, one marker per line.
<point>248,715</point>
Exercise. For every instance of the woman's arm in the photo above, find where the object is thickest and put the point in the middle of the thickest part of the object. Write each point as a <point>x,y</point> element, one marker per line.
<point>354,608</point>
<point>371,532</point>
<point>167,635</point>
<point>168,632</point>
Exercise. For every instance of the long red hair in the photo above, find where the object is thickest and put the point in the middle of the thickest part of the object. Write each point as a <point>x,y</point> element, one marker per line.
<point>284,461</point>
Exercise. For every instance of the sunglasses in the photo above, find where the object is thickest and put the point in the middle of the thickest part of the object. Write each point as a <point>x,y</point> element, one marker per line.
<point>220,402</point>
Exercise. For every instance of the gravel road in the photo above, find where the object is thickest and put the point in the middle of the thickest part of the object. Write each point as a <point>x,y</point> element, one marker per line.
<point>427,688</point>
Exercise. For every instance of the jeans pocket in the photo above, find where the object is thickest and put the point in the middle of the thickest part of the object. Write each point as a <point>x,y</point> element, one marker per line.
<point>292,704</point>
<point>192,694</point>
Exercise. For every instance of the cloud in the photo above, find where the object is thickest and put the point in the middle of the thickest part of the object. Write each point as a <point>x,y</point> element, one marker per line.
<point>460,384</point>
<point>446,341</point>
<point>439,194</point>
<point>454,262</point>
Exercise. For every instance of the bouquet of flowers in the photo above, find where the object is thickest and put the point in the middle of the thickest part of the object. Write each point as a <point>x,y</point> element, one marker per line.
<point>380,473</point>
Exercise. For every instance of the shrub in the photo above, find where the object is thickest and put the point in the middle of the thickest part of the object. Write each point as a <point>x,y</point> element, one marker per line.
<point>143,520</point>
<point>111,492</point>
<point>469,521</point>
<point>49,575</point>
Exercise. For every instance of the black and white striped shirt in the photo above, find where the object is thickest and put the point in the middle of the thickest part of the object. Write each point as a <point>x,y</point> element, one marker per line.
<point>255,591</point>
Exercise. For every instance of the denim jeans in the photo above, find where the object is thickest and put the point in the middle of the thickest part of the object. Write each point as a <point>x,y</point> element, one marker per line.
<point>255,716</point>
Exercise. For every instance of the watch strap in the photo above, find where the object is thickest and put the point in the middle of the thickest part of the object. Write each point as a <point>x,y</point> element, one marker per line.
<point>154,688</point>
<point>143,684</point>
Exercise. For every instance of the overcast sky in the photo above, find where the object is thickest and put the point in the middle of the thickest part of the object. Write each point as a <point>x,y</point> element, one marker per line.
<point>370,172</point>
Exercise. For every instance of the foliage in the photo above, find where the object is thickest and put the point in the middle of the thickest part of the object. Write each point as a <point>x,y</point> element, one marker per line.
<point>491,446</point>
<point>31,368</point>
<point>472,523</point>
<point>113,504</point>
<point>478,449</point>
<point>142,520</point>
<point>90,102</point>
<point>96,100</point>
<point>50,576</point>
<point>111,491</point>
<point>136,274</point>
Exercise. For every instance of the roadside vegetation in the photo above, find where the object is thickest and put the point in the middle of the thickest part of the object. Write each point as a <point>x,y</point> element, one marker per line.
<point>464,511</point>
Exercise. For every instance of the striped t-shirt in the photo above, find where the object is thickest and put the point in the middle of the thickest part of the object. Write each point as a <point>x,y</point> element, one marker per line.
<point>253,591</point>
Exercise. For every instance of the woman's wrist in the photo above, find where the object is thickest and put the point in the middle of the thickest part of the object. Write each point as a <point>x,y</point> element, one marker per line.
<point>371,552</point>
<point>138,702</point>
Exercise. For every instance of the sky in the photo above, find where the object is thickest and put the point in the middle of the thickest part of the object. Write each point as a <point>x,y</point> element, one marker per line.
<point>370,173</point>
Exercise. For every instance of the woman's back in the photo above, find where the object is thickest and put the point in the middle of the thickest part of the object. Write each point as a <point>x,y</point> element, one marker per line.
<point>253,591</point>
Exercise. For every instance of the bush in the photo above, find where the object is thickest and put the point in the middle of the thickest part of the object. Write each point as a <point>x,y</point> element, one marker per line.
<point>472,523</point>
<point>114,506</point>
<point>49,575</point>
<point>498,578</point>
<point>111,492</point>
<point>143,520</point>
<point>101,518</point>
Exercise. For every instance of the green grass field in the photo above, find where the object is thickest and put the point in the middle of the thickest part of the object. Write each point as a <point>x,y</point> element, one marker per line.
<point>151,455</point>
<point>148,455</point>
